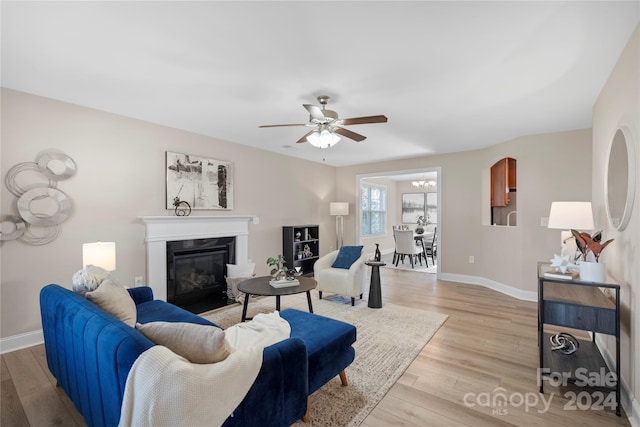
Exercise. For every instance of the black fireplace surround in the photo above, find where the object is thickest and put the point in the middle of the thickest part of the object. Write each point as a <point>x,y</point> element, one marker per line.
<point>196,271</point>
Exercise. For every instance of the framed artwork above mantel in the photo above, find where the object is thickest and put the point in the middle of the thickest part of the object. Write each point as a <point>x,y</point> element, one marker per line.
<point>201,182</point>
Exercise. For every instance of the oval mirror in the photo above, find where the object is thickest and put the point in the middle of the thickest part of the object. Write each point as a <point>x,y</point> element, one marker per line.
<point>620,186</point>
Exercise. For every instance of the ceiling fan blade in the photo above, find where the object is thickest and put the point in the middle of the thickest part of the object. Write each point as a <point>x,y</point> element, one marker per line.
<point>364,120</point>
<point>349,134</point>
<point>315,111</point>
<point>277,126</point>
<point>304,138</point>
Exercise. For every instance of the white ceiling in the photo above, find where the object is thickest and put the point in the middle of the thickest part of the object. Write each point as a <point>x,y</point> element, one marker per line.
<point>450,76</point>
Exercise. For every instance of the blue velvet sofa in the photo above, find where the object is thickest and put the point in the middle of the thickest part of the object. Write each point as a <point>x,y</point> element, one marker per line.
<point>90,353</point>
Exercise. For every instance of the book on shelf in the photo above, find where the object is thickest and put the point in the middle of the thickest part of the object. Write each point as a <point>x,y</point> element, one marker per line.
<point>557,274</point>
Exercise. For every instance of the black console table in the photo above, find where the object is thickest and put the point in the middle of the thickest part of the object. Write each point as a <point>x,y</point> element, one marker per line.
<point>580,305</point>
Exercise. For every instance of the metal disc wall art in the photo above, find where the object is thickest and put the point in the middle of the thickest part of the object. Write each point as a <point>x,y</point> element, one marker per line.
<point>41,206</point>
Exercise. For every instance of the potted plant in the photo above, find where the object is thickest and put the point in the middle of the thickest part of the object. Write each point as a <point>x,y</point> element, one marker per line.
<point>277,264</point>
<point>421,221</point>
<point>591,247</point>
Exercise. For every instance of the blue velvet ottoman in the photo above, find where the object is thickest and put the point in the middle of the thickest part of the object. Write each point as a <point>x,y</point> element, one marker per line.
<point>328,342</point>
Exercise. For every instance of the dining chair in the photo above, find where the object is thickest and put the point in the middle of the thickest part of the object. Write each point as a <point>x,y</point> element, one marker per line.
<point>431,247</point>
<point>406,245</point>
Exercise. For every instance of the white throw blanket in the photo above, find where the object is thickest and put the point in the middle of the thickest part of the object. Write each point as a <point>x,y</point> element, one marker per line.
<point>164,389</point>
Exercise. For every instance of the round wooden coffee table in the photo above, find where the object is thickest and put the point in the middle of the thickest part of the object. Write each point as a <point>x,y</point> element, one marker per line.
<point>261,286</point>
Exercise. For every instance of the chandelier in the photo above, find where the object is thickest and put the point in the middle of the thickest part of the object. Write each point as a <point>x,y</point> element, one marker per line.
<point>423,184</point>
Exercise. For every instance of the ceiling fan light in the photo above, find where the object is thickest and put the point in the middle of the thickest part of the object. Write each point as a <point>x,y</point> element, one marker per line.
<point>323,139</point>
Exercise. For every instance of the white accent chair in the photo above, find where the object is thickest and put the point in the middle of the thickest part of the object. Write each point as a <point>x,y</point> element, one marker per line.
<point>350,282</point>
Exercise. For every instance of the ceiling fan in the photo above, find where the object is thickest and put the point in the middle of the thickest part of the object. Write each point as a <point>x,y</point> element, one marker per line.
<point>326,125</point>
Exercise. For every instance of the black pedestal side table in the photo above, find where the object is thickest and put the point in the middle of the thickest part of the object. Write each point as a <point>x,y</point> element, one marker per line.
<point>375,291</point>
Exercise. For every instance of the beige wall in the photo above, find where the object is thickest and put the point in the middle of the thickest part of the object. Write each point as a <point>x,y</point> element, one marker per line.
<point>619,105</point>
<point>120,176</point>
<point>550,167</point>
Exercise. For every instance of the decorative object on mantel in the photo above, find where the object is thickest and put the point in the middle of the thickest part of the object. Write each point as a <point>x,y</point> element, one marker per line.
<point>590,247</point>
<point>278,270</point>
<point>183,208</point>
<point>38,224</point>
<point>202,183</point>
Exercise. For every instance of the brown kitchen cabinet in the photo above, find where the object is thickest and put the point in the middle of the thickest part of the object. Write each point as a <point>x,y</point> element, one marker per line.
<point>503,181</point>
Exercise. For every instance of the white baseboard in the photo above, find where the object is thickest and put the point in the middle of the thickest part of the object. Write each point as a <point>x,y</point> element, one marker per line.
<point>491,284</point>
<point>18,342</point>
<point>631,406</point>
<point>627,399</point>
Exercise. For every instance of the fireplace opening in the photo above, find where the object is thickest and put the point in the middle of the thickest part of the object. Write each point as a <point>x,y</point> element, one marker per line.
<point>196,271</point>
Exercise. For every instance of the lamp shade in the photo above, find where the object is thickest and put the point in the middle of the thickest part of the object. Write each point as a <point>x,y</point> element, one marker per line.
<point>571,215</point>
<point>339,208</point>
<point>323,138</point>
<point>100,254</point>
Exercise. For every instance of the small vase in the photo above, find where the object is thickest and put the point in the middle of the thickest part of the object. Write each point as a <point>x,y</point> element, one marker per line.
<point>592,271</point>
<point>378,255</point>
<point>419,229</point>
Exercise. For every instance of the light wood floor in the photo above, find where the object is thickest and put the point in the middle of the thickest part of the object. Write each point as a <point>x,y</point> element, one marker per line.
<point>488,342</point>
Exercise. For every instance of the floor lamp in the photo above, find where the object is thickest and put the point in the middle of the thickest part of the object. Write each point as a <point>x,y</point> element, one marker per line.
<point>339,210</point>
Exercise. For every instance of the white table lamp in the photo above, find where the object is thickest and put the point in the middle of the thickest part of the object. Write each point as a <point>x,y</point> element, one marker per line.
<point>100,254</point>
<point>570,215</point>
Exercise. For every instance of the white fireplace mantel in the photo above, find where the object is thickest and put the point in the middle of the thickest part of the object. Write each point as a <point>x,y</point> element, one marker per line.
<point>163,229</point>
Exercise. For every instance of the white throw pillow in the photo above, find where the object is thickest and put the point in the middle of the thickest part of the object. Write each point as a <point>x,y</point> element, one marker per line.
<point>115,300</point>
<point>88,279</point>
<point>196,343</point>
<point>241,270</point>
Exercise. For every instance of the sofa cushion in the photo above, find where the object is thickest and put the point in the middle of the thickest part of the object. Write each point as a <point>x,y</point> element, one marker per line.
<point>161,311</point>
<point>347,255</point>
<point>196,343</point>
<point>115,300</point>
<point>328,342</point>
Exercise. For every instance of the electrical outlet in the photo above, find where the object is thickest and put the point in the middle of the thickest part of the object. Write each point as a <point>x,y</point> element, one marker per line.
<point>137,281</point>
<point>471,259</point>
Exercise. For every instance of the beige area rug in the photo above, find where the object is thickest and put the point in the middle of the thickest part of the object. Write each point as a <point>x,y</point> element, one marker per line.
<point>388,340</point>
<point>388,258</point>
